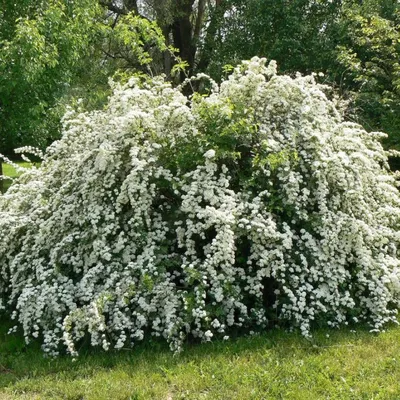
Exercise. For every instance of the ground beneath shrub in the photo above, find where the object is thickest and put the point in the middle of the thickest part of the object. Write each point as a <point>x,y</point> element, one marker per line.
<point>9,171</point>
<point>276,365</point>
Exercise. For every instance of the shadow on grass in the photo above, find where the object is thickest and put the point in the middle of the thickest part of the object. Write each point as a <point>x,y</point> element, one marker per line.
<point>6,184</point>
<point>20,361</point>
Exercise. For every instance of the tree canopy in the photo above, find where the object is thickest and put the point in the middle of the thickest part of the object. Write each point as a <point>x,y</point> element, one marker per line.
<point>55,52</point>
<point>42,46</point>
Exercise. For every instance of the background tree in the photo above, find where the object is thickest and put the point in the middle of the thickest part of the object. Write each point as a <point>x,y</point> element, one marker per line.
<point>43,46</point>
<point>368,62</point>
<point>297,34</point>
<point>54,52</point>
<point>189,26</point>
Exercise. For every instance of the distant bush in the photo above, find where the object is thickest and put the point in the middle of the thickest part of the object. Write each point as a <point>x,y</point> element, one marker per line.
<point>173,217</point>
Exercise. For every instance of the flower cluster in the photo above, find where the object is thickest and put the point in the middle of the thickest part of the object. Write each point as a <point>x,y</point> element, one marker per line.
<point>172,217</point>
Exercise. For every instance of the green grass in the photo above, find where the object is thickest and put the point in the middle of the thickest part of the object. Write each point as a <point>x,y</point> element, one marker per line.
<point>275,365</point>
<point>10,171</point>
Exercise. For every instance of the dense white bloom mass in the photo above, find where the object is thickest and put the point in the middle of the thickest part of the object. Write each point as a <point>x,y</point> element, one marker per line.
<point>175,218</point>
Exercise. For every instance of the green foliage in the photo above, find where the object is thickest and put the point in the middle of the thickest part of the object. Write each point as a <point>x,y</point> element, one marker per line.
<point>42,45</point>
<point>132,42</point>
<point>297,34</point>
<point>56,52</point>
<point>371,71</point>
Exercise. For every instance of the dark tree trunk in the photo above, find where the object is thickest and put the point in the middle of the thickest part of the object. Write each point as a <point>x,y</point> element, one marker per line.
<point>182,33</point>
<point>125,8</point>
<point>131,5</point>
<point>167,55</point>
<point>1,180</point>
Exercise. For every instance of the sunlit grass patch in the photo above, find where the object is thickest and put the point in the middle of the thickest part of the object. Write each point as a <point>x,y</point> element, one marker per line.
<point>340,364</point>
<point>11,172</point>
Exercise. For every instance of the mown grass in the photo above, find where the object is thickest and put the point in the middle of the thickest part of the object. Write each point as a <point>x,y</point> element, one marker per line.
<point>339,364</point>
<point>275,365</point>
<point>12,173</point>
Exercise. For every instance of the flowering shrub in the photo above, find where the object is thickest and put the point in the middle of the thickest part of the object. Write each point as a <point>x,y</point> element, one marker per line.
<point>167,217</point>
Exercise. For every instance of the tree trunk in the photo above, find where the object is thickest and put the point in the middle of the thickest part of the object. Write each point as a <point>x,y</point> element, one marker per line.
<point>199,20</point>
<point>167,54</point>
<point>131,5</point>
<point>183,34</point>
<point>1,180</point>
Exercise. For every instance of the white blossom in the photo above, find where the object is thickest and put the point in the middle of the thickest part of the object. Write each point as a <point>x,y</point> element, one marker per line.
<point>209,154</point>
<point>175,218</point>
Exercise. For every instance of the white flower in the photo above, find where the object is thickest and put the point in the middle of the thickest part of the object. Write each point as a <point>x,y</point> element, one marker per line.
<point>208,335</point>
<point>209,154</point>
<point>117,236</point>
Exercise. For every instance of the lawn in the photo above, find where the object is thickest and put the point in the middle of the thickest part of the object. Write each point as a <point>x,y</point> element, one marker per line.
<point>10,171</point>
<point>276,365</point>
<point>342,364</point>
